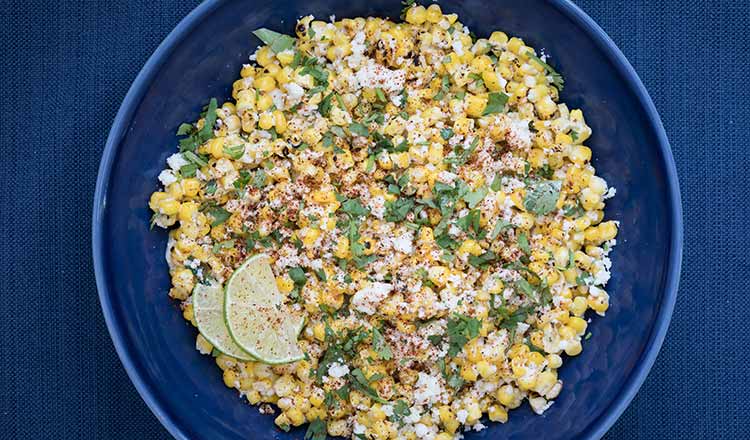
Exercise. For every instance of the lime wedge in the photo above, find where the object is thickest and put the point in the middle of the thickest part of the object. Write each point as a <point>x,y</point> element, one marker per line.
<point>256,317</point>
<point>208,309</point>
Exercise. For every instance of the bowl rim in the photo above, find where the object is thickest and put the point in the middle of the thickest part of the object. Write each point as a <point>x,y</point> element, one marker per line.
<point>612,53</point>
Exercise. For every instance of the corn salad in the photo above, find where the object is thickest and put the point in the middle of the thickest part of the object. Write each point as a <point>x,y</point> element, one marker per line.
<point>425,200</point>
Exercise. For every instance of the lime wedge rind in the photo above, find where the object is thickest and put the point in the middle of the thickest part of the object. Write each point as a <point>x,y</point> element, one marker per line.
<point>256,317</point>
<point>208,308</point>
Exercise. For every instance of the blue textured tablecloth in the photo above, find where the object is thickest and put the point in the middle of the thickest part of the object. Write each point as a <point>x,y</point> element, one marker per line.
<point>66,65</point>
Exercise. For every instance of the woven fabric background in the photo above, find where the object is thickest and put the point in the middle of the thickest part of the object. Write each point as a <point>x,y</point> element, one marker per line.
<point>66,65</point>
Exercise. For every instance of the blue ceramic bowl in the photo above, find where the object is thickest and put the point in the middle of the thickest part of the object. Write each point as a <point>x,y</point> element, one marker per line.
<point>202,57</point>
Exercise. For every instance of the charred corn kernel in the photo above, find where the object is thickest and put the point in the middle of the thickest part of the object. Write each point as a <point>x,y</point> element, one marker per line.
<point>230,378</point>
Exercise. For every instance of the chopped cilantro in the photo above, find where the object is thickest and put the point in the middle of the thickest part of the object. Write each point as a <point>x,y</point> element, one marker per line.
<point>541,196</point>
<point>557,79</point>
<point>359,129</point>
<point>495,103</point>
<point>276,41</point>
<point>380,346</point>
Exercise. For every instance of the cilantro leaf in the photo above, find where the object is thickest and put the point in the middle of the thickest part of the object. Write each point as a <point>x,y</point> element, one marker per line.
<point>557,79</point>
<point>482,261</point>
<point>523,243</point>
<point>446,133</point>
<point>460,330</point>
<point>500,226</point>
<point>495,103</point>
<point>380,346</point>
<point>474,198</point>
<point>359,129</point>
<point>317,430</point>
<point>276,41</point>
<point>541,196</point>
<point>324,108</point>
<point>219,215</point>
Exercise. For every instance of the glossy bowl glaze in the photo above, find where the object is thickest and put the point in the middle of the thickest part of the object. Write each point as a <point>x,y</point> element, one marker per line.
<point>201,58</point>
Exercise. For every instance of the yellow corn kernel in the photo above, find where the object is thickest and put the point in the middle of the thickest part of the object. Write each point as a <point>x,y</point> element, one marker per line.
<point>499,37</point>
<point>554,361</point>
<point>507,396</point>
<point>169,207</point>
<point>264,102</point>
<point>438,275</point>
<point>434,14</point>
<point>295,416</point>
<point>577,324</point>
<point>342,248</point>
<point>599,304</point>
<point>578,306</point>
<point>497,414</point>
<point>416,15</point>
<point>573,348</point>
<point>265,83</point>
<point>264,56</point>
<point>284,284</point>
<point>266,121</point>
<point>230,378</point>
<point>279,122</point>
<point>470,247</point>
<point>319,331</point>
<point>156,198</point>
<point>282,421</point>
<point>607,230</point>
<point>187,210</point>
<point>492,80</point>
<point>468,373</point>
<point>475,105</point>
<point>579,154</point>
<point>286,57</point>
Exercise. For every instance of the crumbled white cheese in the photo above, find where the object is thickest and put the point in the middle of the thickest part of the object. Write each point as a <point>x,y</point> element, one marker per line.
<point>427,390</point>
<point>338,370</point>
<point>167,177</point>
<point>365,300</point>
<point>404,243</point>
<point>176,161</point>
